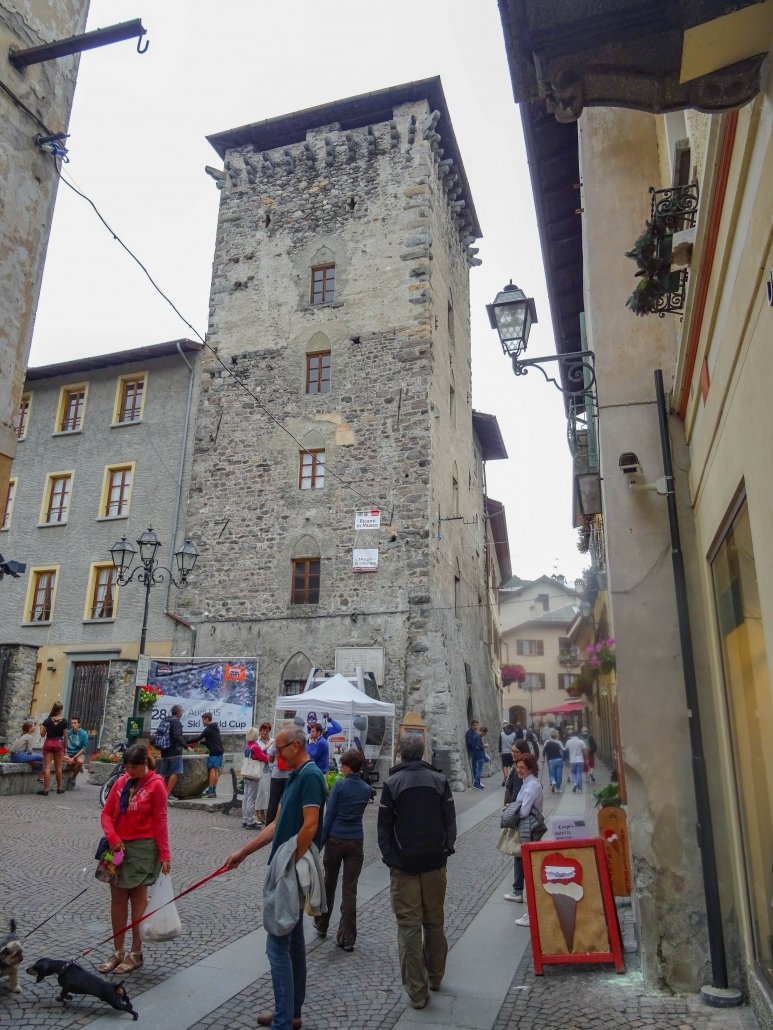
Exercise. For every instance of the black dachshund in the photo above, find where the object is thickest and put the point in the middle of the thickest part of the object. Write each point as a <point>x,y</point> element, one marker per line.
<point>74,979</point>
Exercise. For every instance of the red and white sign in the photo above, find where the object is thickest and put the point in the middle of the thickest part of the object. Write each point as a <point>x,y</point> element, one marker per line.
<point>367,519</point>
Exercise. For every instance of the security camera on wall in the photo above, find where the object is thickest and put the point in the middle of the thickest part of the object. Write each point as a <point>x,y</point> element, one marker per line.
<point>631,468</point>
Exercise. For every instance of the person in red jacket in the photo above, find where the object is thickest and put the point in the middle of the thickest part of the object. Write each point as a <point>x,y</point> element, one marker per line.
<point>134,823</point>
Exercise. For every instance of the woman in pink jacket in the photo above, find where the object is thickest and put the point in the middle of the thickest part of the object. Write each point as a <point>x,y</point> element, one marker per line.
<point>134,822</point>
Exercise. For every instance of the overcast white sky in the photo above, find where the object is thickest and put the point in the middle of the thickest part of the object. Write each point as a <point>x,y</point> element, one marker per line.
<point>138,149</point>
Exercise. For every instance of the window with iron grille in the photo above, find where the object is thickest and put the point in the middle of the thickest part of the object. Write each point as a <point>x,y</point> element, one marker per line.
<point>58,499</point>
<point>23,416</point>
<point>41,607</point>
<point>102,601</point>
<point>131,391</point>
<point>117,490</point>
<point>71,409</point>
<point>318,372</point>
<point>530,647</point>
<point>10,496</point>
<point>311,475</point>
<point>534,681</point>
<point>323,284</point>
<point>305,582</point>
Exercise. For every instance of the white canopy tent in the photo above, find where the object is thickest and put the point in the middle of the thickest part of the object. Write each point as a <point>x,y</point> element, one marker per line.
<point>337,696</point>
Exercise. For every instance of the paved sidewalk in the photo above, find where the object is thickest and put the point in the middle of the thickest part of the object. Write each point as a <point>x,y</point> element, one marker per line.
<point>216,974</point>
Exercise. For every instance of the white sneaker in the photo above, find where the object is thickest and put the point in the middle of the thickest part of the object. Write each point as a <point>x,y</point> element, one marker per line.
<point>523,920</point>
<point>513,896</point>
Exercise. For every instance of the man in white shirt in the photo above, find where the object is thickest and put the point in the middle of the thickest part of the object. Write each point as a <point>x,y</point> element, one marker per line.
<point>575,748</point>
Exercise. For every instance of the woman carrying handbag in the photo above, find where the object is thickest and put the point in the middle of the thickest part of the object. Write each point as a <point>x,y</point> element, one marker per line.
<point>255,764</point>
<point>522,818</point>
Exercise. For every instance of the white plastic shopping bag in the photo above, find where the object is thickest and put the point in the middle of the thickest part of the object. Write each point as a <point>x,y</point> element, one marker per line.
<point>165,924</point>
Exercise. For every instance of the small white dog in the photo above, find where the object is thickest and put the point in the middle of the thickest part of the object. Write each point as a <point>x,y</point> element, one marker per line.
<point>11,956</point>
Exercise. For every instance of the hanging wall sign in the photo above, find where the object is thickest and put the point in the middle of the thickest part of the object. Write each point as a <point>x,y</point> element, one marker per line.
<point>367,519</point>
<point>365,559</point>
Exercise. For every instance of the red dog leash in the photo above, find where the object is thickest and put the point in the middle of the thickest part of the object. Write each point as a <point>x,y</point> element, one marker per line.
<point>217,872</point>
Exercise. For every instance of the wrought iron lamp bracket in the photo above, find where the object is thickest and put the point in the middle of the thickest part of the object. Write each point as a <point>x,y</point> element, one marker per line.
<point>151,575</point>
<point>578,368</point>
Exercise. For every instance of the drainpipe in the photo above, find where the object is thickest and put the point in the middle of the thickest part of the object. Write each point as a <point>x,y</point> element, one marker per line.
<point>717,994</point>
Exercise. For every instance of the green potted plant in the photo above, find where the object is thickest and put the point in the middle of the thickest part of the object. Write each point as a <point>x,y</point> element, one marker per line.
<point>608,797</point>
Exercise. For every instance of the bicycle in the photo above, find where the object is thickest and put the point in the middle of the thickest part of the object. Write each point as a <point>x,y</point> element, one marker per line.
<point>107,786</point>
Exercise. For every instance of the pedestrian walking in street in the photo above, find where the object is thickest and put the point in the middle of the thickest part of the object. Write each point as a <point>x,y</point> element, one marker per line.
<point>256,761</point>
<point>590,754</point>
<point>134,822</point>
<point>210,737</point>
<point>171,743</point>
<point>506,741</point>
<point>76,743</point>
<point>531,799</point>
<point>576,750</point>
<point>342,838</point>
<point>53,729</point>
<point>22,749</point>
<point>475,752</point>
<point>416,834</point>
<point>299,817</point>
<point>553,754</point>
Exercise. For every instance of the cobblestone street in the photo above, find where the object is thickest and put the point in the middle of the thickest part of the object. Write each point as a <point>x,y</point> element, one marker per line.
<point>48,844</point>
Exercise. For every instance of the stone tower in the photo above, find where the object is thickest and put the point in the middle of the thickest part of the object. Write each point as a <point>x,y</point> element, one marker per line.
<point>340,382</point>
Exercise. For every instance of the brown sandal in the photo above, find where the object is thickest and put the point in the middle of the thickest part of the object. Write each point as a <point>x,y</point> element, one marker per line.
<point>115,960</point>
<point>132,961</point>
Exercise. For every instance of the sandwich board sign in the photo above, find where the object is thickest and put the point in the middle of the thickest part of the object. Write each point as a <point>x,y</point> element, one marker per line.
<point>572,914</point>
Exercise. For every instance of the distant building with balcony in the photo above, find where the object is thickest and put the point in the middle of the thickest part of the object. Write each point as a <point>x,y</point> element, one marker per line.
<point>535,618</point>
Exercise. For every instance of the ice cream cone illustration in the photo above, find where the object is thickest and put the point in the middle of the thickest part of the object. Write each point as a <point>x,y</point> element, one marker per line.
<point>562,878</point>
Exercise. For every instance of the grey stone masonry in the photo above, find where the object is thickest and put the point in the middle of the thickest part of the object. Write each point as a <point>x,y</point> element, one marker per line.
<point>373,189</point>
<point>17,678</point>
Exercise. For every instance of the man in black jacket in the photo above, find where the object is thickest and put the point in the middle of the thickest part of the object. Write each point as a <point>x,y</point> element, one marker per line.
<point>416,834</point>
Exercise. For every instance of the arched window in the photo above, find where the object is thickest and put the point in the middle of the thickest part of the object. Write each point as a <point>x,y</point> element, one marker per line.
<point>318,358</point>
<point>323,277</point>
<point>306,572</point>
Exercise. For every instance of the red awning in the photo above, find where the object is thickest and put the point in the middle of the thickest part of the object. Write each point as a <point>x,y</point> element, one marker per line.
<point>570,706</point>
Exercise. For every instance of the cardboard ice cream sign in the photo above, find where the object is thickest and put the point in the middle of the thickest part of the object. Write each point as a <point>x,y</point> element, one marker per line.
<point>561,877</point>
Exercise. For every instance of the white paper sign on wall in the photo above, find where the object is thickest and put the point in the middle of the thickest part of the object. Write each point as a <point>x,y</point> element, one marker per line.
<point>365,559</point>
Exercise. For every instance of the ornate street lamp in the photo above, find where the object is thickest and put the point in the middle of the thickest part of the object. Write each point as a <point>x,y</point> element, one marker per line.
<point>149,572</point>
<point>512,315</point>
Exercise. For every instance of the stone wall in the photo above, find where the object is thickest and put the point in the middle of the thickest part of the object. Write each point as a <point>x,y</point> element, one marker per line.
<point>16,688</point>
<point>119,704</point>
<point>378,202</point>
<point>29,185</point>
